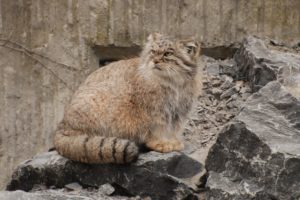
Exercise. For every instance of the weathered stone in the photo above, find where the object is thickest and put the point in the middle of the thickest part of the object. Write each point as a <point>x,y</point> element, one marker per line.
<point>213,69</point>
<point>228,83</point>
<point>107,189</point>
<point>59,195</point>
<point>257,156</point>
<point>292,84</point>
<point>216,83</point>
<point>73,186</point>
<point>228,67</point>
<point>228,93</point>
<point>259,63</point>
<point>160,176</point>
<point>216,91</point>
<point>246,95</point>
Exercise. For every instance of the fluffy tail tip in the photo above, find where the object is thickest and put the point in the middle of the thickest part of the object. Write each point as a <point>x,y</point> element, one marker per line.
<point>132,153</point>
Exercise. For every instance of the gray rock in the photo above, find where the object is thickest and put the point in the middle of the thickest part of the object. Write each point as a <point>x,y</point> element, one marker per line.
<point>216,83</point>
<point>107,189</point>
<point>73,186</point>
<point>257,156</point>
<point>292,84</point>
<point>212,69</point>
<point>228,83</point>
<point>59,195</point>
<point>160,176</point>
<point>228,93</point>
<point>216,91</point>
<point>246,95</point>
<point>259,62</point>
<point>228,67</point>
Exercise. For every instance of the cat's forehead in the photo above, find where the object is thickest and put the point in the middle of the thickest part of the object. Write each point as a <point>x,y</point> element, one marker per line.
<point>163,43</point>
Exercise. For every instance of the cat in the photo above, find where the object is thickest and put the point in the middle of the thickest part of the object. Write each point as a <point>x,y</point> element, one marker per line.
<point>144,100</point>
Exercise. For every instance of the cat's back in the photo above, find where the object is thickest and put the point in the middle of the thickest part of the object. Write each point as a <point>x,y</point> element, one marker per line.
<point>109,98</point>
<point>113,72</point>
<point>106,87</point>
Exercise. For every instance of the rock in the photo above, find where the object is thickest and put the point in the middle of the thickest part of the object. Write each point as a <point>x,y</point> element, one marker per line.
<point>221,67</point>
<point>220,116</point>
<point>216,91</point>
<point>259,62</point>
<point>257,156</point>
<point>228,83</point>
<point>228,67</point>
<point>292,84</point>
<point>159,176</point>
<point>73,186</point>
<point>216,83</point>
<point>228,93</point>
<point>212,69</point>
<point>59,195</point>
<point>246,95</point>
<point>107,189</point>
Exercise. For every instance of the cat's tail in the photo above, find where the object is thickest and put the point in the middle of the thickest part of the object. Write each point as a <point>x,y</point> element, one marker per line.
<point>81,147</point>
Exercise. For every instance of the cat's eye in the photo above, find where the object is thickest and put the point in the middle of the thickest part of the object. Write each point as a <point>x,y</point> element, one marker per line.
<point>167,54</point>
<point>189,49</point>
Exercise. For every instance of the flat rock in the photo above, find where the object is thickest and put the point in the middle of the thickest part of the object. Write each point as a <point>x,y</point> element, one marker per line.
<point>257,156</point>
<point>159,176</point>
<point>58,195</point>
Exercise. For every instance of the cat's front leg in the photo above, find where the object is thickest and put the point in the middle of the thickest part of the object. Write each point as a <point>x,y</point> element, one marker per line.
<point>164,146</point>
<point>162,141</point>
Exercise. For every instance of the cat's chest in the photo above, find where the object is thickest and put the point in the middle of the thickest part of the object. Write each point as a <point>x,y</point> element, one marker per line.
<point>178,105</point>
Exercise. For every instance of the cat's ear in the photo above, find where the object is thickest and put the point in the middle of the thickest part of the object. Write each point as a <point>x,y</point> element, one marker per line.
<point>154,37</point>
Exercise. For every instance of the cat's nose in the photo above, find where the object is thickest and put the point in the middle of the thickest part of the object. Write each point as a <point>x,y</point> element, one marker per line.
<point>156,61</point>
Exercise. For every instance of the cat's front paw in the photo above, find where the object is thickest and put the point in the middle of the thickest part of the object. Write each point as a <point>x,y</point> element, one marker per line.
<point>165,146</point>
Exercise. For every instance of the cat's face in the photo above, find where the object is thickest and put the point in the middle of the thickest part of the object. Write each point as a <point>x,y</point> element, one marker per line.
<point>171,59</point>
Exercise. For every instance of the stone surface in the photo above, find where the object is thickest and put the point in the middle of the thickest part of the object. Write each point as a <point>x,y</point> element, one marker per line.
<point>59,195</point>
<point>259,62</point>
<point>257,156</point>
<point>159,176</point>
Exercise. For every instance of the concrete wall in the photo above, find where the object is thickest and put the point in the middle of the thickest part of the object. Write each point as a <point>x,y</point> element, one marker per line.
<point>48,47</point>
<point>212,21</point>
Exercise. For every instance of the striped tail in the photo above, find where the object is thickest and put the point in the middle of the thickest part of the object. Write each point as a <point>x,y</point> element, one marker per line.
<point>81,147</point>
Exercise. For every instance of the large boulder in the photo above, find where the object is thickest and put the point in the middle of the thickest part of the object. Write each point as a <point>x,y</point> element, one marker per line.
<point>261,61</point>
<point>257,156</point>
<point>159,176</point>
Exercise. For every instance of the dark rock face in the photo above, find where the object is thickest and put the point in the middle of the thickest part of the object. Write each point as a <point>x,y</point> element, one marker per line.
<point>259,62</point>
<point>159,176</point>
<point>257,156</point>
